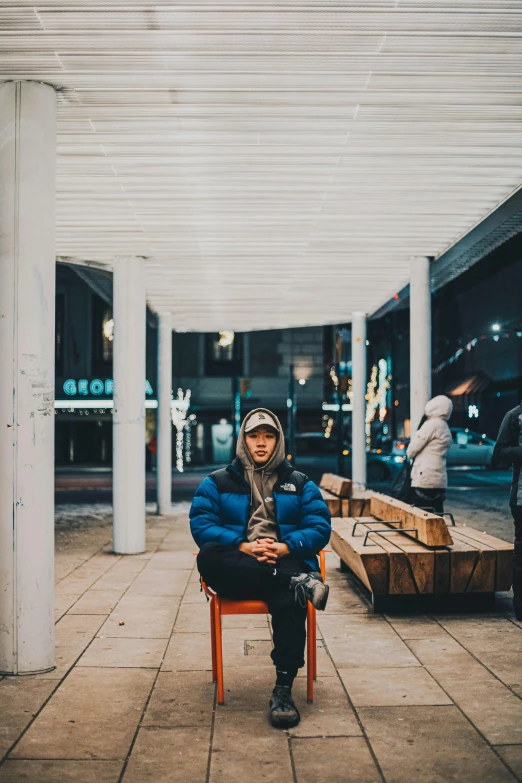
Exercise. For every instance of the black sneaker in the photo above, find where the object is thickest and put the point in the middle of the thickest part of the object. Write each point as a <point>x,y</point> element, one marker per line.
<point>283,712</point>
<point>310,587</point>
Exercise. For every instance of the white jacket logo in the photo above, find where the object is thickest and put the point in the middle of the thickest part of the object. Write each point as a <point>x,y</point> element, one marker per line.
<point>289,487</point>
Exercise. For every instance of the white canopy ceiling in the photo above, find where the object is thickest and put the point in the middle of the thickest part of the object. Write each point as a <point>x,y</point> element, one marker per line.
<point>276,163</point>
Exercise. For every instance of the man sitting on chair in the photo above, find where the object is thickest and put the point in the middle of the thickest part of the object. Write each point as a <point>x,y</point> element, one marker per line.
<point>259,525</point>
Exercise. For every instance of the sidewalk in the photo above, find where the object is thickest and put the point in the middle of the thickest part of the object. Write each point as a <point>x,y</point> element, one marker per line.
<point>398,699</point>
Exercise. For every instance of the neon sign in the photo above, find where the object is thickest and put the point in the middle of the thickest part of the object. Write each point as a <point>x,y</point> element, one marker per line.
<point>96,387</point>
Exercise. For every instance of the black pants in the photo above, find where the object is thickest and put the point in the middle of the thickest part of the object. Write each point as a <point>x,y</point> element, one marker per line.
<point>517,559</point>
<point>234,574</point>
<point>428,498</point>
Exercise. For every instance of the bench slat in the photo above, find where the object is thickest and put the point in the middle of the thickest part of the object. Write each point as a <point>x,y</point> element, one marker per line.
<point>338,485</point>
<point>432,530</point>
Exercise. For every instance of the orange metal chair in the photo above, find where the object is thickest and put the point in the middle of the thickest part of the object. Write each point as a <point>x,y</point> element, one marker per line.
<point>223,606</point>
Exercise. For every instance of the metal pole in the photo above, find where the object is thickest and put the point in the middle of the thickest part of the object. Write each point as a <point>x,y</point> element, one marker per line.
<point>236,408</point>
<point>27,296</point>
<point>292,409</point>
<point>164,420</point>
<point>129,406</point>
<point>420,339</point>
<point>393,383</point>
<point>340,425</point>
<point>359,400</point>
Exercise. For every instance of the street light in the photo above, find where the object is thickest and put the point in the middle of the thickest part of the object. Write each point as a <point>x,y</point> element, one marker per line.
<point>496,327</point>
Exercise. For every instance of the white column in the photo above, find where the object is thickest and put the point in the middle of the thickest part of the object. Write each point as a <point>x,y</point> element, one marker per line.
<point>129,406</point>
<point>420,339</point>
<point>164,420</point>
<point>27,293</point>
<point>359,400</point>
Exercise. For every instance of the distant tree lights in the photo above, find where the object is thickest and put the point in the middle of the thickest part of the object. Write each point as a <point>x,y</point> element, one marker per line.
<point>183,423</point>
<point>376,395</point>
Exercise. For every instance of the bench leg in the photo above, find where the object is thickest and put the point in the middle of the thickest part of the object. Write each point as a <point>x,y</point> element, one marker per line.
<point>219,651</point>
<point>310,651</point>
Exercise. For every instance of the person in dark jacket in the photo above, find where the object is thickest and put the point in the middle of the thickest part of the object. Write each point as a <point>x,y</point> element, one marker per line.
<point>259,525</point>
<point>508,451</point>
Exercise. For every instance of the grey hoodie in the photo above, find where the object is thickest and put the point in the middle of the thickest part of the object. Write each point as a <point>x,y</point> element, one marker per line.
<point>262,522</point>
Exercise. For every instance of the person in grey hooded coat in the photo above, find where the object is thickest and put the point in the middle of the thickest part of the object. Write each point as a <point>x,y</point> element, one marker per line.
<point>428,449</point>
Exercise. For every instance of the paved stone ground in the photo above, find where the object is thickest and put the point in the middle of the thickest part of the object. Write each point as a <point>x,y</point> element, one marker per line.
<point>409,699</point>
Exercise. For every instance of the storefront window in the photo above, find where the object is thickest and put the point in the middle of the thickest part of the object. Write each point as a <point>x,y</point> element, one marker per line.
<point>102,336</point>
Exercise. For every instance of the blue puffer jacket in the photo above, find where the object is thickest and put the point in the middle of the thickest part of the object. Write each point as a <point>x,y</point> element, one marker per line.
<point>220,511</point>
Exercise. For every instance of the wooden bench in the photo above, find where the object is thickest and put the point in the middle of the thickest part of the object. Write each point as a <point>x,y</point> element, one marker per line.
<point>334,489</point>
<point>340,497</point>
<point>391,563</point>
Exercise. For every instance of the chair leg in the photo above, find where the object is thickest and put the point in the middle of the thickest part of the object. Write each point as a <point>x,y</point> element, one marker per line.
<point>314,651</point>
<point>213,638</point>
<point>310,618</point>
<point>219,651</point>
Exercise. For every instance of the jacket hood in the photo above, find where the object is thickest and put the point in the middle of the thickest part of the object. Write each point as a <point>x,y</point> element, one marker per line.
<point>439,407</point>
<point>278,455</point>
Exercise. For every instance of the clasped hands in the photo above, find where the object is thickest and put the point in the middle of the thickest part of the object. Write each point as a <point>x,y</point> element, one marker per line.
<point>265,550</point>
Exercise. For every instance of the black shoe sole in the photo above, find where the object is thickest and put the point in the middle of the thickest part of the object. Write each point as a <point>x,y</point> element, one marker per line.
<point>322,605</point>
<point>282,723</point>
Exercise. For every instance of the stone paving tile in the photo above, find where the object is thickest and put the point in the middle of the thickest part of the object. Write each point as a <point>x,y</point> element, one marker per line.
<point>329,760</point>
<point>181,700</point>
<point>430,745</point>
<point>73,633</point>
<point>63,602</point>
<point>93,714</point>
<point>387,687</point>
<point>193,618</point>
<point>440,651</point>
<point>358,640</point>
<point>142,617</point>
<point>325,667</point>
<point>173,755</point>
<point>124,653</point>
<point>420,627</point>
<point>345,603</point>
<point>51,771</point>
<point>76,585</point>
<point>512,755</point>
<point>248,688</point>
<point>245,621</point>
<point>247,647</point>
<point>20,700</point>
<point>506,666</point>
<point>246,747</point>
<point>97,602</point>
<point>194,593</point>
<point>121,575</point>
<point>158,582</point>
<point>490,706</point>
<point>485,634</point>
<point>188,652</point>
<point>330,714</point>
<point>172,559</point>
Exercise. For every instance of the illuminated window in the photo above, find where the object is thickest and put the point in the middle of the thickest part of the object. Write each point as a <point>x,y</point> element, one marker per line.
<point>222,354</point>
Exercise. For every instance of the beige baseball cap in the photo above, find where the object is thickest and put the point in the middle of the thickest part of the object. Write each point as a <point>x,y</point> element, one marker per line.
<point>258,418</point>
